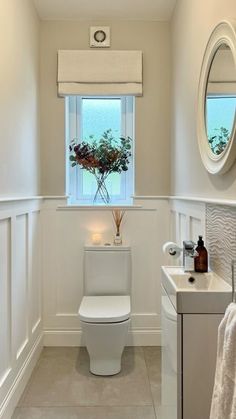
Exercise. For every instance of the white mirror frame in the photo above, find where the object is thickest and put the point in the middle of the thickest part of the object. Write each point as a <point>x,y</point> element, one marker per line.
<point>224,33</point>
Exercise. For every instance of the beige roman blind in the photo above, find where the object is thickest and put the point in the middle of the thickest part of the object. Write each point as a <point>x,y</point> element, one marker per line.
<point>88,72</point>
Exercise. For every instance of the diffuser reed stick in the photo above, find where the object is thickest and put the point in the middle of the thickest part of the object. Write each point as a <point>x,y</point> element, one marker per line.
<point>118,217</point>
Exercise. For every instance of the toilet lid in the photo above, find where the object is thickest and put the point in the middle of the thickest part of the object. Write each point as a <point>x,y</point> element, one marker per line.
<point>105,309</point>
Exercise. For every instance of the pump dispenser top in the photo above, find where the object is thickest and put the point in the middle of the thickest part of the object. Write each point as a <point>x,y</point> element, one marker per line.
<point>201,261</point>
<point>200,241</point>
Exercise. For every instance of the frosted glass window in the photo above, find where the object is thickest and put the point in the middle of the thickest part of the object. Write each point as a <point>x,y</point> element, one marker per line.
<point>92,116</point>
<point>100,114</point>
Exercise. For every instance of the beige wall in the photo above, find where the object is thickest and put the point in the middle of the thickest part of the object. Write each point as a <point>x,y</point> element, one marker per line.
<point>19,139</point>
<point>152,110</point>
<point>192,24</point>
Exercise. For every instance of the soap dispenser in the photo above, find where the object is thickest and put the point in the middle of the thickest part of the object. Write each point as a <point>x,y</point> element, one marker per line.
<point>201,261</point>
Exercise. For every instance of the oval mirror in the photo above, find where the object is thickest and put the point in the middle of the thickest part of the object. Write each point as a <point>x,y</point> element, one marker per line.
<point>217,100</point>
<point>220,102</point>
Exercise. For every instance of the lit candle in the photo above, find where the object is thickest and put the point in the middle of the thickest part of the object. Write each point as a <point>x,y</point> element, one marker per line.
<point>96,238</point>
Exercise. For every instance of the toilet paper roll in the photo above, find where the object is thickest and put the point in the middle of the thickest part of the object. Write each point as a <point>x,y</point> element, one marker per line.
<point>172,249</point>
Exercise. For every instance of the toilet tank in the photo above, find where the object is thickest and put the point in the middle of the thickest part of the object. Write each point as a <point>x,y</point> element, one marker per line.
<point>107,270</point>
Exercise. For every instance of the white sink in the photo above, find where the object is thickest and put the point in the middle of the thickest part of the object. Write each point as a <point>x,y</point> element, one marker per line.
<point>192,292</point>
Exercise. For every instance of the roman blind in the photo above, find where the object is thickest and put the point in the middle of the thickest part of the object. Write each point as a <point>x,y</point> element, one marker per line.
<point>85,72</point>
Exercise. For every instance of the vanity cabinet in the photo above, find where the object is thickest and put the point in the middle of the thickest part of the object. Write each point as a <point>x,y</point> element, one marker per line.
<point>198,351</point>
<point>189,347</point>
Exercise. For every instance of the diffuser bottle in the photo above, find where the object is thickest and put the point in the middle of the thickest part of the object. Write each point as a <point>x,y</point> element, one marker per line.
<point>201,261</point>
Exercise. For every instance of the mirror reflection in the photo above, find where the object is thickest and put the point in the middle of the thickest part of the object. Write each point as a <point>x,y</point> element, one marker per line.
<point>220,104</point>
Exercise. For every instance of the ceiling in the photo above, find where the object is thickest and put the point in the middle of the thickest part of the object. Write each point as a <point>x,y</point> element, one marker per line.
<point>105,9</point>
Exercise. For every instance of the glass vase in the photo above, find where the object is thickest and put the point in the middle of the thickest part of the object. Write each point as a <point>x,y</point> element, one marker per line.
<point>101,193</point>
<point>117,240</point>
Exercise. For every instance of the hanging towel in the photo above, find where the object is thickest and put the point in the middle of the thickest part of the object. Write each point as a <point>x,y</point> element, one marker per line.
<point>224,393</point>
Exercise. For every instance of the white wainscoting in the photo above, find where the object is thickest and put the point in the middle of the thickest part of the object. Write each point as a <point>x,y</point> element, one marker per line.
<point>20,298</point>
<point>38,240</point>
<point>187,220</point>
<point>64,234</point>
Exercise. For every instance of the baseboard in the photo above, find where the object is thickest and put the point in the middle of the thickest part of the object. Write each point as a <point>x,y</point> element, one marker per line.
<point>62,338</point>
<point>10,402</point>
<point>136,337</point>
<point>144,337</point>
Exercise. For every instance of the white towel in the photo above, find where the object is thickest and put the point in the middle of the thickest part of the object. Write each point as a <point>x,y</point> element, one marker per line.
<point>224,394</point>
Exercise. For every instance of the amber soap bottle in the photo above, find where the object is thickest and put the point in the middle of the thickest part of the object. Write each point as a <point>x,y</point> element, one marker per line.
<point>201,261</point>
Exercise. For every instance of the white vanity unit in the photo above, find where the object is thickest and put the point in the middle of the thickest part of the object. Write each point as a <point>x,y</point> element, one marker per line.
<point>192,308</point>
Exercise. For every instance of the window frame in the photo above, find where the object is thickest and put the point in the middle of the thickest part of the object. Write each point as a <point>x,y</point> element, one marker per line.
<point>73,124</point>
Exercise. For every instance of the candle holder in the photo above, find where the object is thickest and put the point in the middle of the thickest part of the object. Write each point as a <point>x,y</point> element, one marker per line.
<point>96,239</point>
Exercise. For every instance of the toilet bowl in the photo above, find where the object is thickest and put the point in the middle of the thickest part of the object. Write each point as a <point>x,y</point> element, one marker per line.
<point>105,309</point>
<point>105,323</point>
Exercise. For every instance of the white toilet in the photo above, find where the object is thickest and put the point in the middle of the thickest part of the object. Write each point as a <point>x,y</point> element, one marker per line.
<point>105,309</point>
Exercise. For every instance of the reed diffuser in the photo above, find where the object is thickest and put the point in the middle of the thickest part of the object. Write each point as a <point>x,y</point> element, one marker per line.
<point>118,217</point>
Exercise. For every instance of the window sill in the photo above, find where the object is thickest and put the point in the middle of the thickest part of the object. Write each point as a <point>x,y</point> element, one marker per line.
<point>103,208</point>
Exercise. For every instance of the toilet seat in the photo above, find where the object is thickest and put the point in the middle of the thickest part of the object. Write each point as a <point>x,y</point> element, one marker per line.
<point>105,309</point>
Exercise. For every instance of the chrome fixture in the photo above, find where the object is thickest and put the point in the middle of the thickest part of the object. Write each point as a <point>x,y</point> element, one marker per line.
<point>189,253</point>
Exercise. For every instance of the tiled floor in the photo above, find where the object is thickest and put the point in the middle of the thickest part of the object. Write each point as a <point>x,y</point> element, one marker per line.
<point>61,387</point>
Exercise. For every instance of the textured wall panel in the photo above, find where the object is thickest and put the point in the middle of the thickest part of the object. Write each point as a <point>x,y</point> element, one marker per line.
<point>221,238</point>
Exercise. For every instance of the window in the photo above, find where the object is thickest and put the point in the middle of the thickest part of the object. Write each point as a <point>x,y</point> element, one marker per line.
<point>220,117</point>
<point>86,116</point>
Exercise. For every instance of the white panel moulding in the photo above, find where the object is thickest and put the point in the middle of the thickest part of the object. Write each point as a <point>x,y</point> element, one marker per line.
<point>19,346</point>
<point>187,220</point>
<point>145,228</point>
<point>218,201</point>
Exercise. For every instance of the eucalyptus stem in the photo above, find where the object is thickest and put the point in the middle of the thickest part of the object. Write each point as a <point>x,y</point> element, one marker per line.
<point>101,189</point>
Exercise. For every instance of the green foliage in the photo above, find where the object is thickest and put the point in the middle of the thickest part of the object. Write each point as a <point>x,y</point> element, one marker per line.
<point>219,141</point>
<point>104,156</point>
<point>101,158</point>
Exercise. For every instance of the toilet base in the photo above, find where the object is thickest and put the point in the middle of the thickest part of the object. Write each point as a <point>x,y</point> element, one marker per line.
<point>105,343</point>
<point>105,366</point>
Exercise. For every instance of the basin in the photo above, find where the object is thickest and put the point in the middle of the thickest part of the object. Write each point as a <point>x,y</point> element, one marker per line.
<point>192,292</point>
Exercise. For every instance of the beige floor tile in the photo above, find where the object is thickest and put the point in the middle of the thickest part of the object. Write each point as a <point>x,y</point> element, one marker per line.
<point>153,361</point>
<point>62,378</point>
<point>51,374</point>
<point>141,412</point>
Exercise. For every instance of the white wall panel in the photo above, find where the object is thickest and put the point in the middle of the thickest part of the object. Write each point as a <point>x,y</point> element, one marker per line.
<point>188,220</point>
<point>5,299</point>
<point>196,227</point>
<point>20,286</point>
<point>183,227</point>
<point>173,225</point>
<point>20,298</point>
<point>34,266</point>
<point>26,231</point>
<point>64,235</point>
